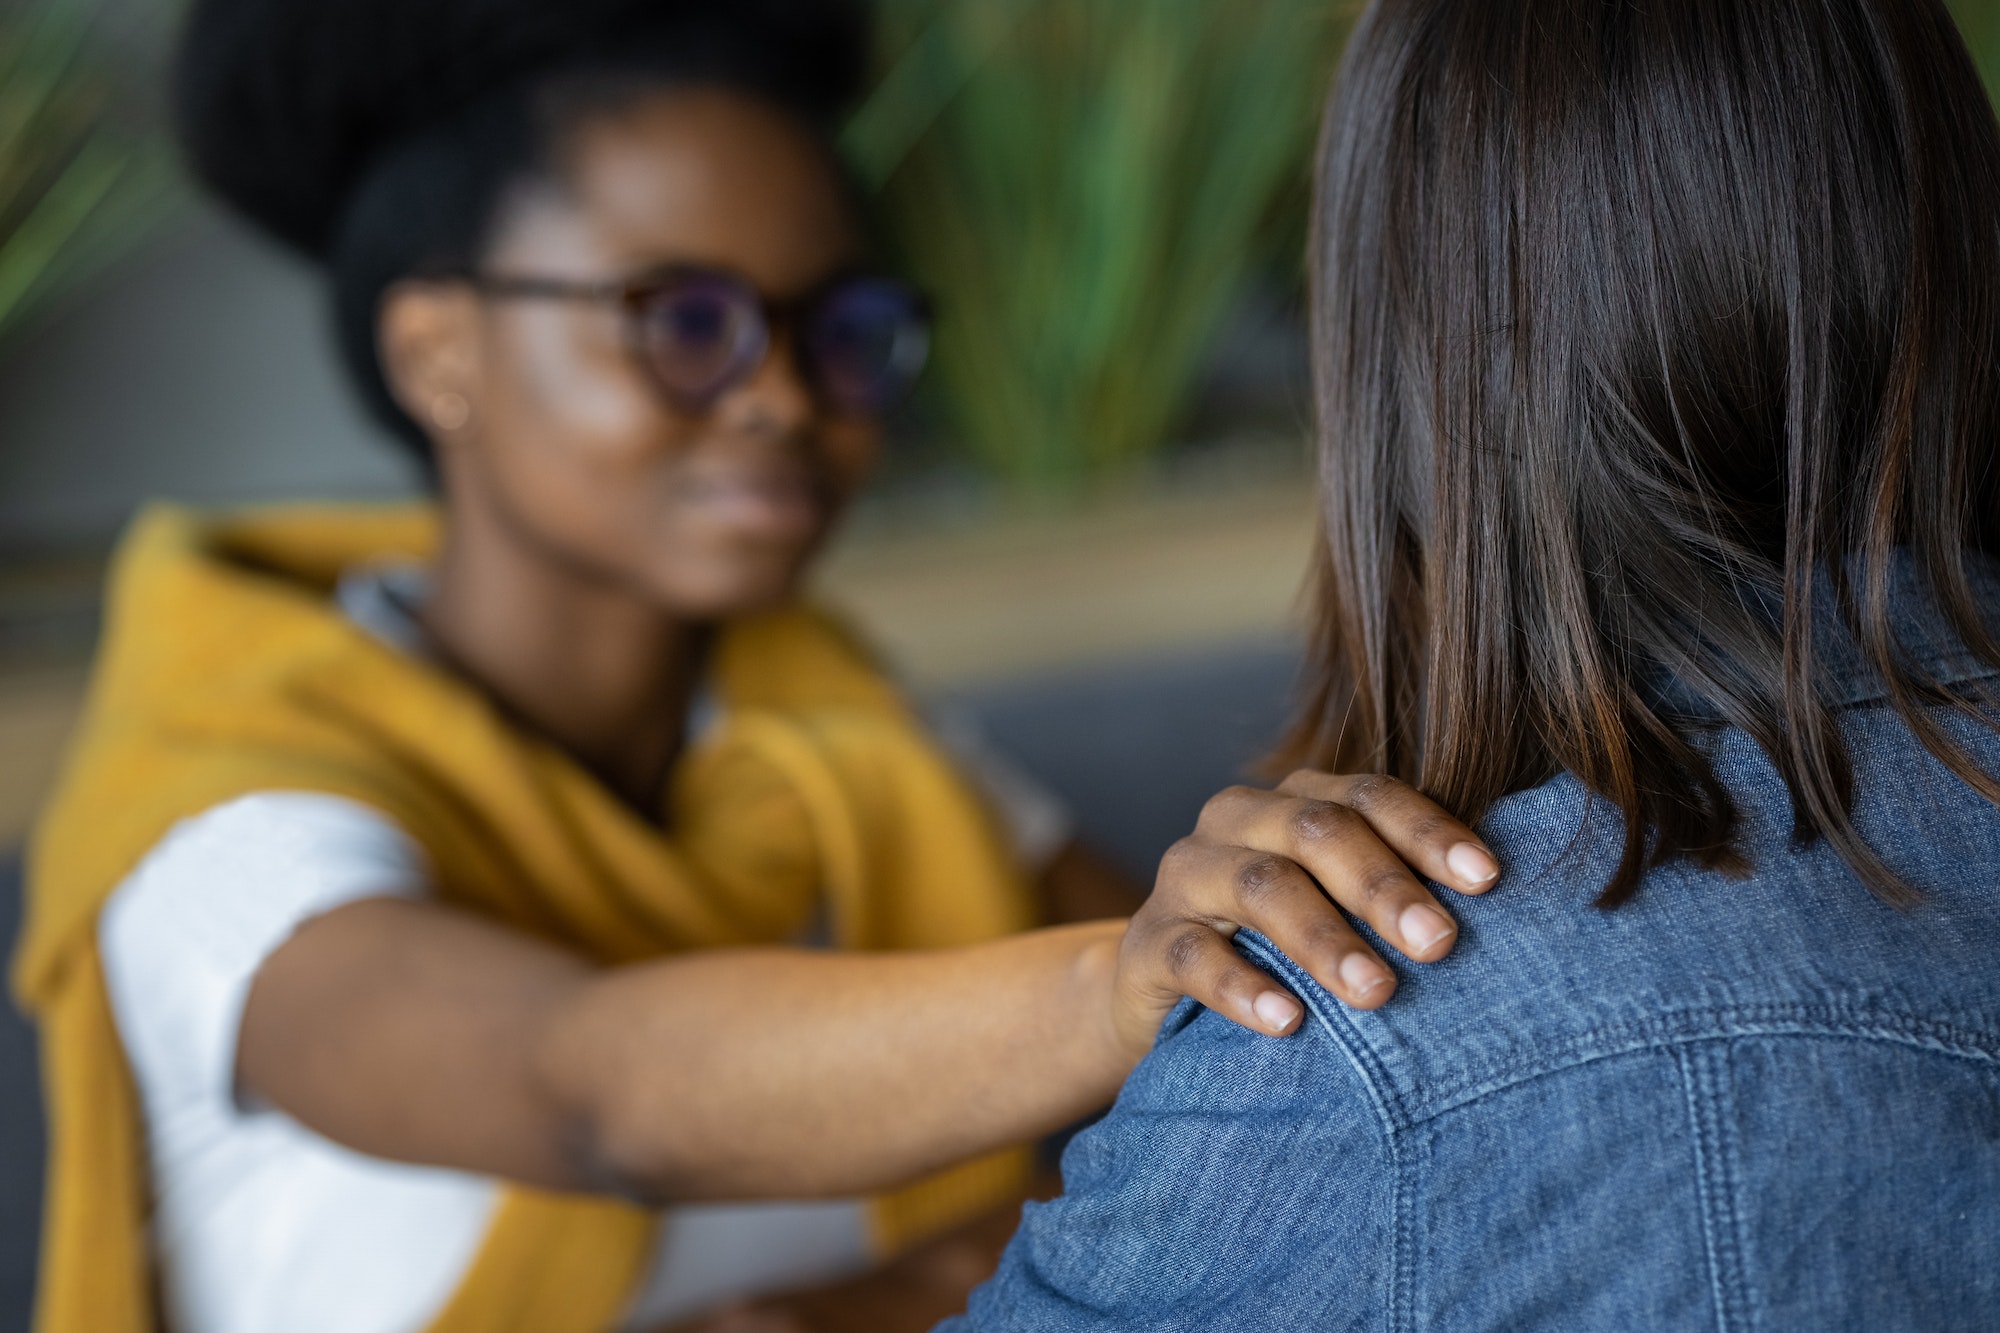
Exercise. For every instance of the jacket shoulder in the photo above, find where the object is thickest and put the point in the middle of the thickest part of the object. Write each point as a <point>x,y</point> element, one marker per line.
<point>1241,1182</point>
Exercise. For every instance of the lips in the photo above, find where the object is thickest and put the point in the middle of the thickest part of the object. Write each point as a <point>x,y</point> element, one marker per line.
<point>771,503</point>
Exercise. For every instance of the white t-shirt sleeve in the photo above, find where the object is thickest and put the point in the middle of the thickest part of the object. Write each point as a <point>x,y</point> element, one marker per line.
<point>259,1223</point>
<point>182,938</point>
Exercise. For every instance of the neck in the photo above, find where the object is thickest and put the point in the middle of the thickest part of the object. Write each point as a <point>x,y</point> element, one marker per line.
<point>588,664</point>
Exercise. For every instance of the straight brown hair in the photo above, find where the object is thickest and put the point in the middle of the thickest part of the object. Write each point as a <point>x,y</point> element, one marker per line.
<point>1648,333</point>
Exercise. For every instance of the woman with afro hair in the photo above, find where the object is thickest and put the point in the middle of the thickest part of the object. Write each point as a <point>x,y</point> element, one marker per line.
<point>423,934</point>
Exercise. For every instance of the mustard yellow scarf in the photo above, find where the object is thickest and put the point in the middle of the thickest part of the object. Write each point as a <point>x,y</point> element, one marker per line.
<point>226,670</point>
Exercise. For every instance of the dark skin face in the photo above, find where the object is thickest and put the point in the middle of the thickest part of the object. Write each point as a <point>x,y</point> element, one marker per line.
<point>593,531</point>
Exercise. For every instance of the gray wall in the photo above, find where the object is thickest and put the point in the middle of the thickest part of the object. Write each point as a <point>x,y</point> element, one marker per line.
<point>200,370</point>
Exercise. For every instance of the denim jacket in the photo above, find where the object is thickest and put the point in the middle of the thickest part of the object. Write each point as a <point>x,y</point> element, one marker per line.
<point>1766,1103</point>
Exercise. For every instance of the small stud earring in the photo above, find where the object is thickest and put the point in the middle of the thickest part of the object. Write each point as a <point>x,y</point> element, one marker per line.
<point>450,412</point>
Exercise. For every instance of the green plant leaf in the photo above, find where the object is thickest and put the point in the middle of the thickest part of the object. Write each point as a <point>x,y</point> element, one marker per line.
<point>29,255</point>
<point>1087,183</point>
<point>77,188</point>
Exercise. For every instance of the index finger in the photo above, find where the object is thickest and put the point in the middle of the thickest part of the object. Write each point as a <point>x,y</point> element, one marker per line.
<point>1412,825</point>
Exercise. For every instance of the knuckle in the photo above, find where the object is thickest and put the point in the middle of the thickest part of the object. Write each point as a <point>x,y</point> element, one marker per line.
<point>1433,828</point>
<point>1384,882</point>
<point>1261,877</point>
<point>1308,782</point>
<point>1236,982</point>
<point>1185,949</point>
<point>1219,806</point>
<point>1372,791</point>
<point>1326,936</point>
<point>1321,822</point>
<point>1180,858</point>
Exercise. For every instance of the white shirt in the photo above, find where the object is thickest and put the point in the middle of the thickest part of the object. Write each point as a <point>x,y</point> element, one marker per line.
<point>262,1224</point>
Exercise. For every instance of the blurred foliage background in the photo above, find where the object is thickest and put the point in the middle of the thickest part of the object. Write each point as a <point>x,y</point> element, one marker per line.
<point>1087,185</point>
<point>85,170</point>
<point>1979,20</point>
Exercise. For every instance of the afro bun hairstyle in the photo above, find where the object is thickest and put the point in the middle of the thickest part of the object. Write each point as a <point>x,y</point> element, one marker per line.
<point>283,105</point>
<point>377,137</point>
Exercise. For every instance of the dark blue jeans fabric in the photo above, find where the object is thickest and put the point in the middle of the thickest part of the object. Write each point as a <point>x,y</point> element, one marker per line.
<point>1766,1103</point>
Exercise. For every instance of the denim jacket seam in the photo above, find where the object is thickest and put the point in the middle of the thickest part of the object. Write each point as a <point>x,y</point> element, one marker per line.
<point>1717,1184</point>
<point>1773,1020</point>
<point>1367,1064</point>
<point>1399,1110</point>
<point>1404,1148</point>
<point>1401,1222</point>
<point>1375,1078</point>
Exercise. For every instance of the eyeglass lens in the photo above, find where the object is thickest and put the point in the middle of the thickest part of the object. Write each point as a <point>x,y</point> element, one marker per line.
<point>862,343</point>
<point>703,334</point>
<point>867,341</point>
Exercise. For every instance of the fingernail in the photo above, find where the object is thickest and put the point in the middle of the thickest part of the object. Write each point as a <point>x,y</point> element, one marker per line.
<point>1473,865</point>
<point>1423,926</point>
<point>1277,1012</point>
<point>1362,974</point>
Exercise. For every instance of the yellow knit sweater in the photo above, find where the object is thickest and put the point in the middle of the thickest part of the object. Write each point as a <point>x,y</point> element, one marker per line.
<point>226,670</point>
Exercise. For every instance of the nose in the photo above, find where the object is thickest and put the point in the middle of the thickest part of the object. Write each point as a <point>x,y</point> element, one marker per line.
<point>776,400</point>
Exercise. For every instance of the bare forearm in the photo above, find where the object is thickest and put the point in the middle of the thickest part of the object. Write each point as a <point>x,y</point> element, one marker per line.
<point>748,1073</point>
<point>414,1031</point>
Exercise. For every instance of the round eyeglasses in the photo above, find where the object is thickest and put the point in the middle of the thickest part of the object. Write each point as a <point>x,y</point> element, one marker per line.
<point>699,332</point>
